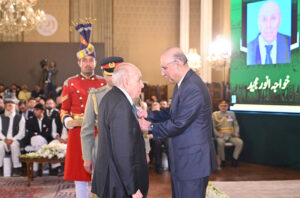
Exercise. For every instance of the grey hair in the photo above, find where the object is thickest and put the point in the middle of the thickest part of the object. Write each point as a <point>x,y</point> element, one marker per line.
<point>121,72</point>
<point>181,57</point>
<point>177,54</point>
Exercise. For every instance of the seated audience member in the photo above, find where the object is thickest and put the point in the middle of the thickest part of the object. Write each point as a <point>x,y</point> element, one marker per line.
<point>226,129</point>
<point>149,103</point>
<point>24,94</point>
<point>22,108</point>
<point>2,88</point>
<point>30,105</point>
<point>12,130</point>
<point>163,104</point>
<point>39,128</point>
<point>1,106</point>
<point>145,135</point>
<point>41,101</point>
<point>169,102</point>
<point>154,98</point>
<point>58,102</point>
<point>39,131</point>
<point>52,113</point>
<point>157,145</point>
<point>14,90</point>
<point>155,106</point>
<point>37,92</point>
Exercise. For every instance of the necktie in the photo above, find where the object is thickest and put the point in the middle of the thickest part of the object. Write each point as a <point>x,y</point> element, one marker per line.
<point>134,110</point>
<point>268,55</point>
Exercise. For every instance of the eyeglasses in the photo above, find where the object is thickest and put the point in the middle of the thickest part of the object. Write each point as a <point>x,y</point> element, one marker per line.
<point>165,67</point>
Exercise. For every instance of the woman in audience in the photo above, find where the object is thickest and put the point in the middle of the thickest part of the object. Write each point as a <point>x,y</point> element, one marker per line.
<point>24,94</point>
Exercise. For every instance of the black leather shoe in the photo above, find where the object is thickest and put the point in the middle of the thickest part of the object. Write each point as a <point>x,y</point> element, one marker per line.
<point>60,172</point>
<point>223,164</point>
<point>35,174</point>
<point>1,171</point>
<point>234,163</point>
<point>16,172</point>
<point>158,170</point>
<point>53,172</point>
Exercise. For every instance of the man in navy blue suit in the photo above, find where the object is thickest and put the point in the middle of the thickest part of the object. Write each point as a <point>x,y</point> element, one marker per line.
<point>188,128</point>
<point>269,47</point>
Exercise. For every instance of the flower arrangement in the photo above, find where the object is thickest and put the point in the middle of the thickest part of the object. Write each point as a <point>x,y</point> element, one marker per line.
<point>54,149</point>
<point>213,192</point>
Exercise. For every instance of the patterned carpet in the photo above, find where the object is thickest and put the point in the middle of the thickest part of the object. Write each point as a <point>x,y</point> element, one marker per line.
<point>260,189</point>
<point>46,186</point>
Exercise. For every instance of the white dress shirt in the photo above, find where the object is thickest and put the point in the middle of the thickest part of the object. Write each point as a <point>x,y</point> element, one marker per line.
<point>179,83</point>
<point>263,50</point>
<point>127,95</point>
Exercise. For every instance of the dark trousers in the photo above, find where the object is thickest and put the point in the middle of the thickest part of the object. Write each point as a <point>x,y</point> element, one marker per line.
<point>50,89</point>
<point>189,188</point>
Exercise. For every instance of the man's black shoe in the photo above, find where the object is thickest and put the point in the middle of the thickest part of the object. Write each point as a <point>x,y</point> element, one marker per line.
<point>223,164</point>
<point>234,163</point>
<point>1,171</point>
<point>16,172</point>
<point>158,170</point>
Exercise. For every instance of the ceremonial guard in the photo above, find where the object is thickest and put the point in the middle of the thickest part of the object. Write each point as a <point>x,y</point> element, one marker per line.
<point>74,97</point>
<point>226,129</point>
<point>88,140</point>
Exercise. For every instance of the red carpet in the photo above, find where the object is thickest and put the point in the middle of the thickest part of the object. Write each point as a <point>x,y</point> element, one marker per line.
<point>46,186</point>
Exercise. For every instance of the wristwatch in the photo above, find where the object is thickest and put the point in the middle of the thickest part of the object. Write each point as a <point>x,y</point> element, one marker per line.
<point>150,128</point>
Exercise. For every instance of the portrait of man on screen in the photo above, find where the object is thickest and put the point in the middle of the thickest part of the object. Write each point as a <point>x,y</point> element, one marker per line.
<point>269,46</point>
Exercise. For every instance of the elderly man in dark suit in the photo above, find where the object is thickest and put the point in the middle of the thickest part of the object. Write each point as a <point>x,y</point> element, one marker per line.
<point>189,127</point>
<point>121,169</point>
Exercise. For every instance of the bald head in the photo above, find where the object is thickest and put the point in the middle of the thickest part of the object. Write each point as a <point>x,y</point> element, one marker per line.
<point>269,20</point>
<point>176,53</point>
<point>173,64</point>
<point>128,77</point>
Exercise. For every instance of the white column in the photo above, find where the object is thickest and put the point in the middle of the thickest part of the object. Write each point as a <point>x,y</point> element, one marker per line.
<point>184,25</point>
<point>206,11</point>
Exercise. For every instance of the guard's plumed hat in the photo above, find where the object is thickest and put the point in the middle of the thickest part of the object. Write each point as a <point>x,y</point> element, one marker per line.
<point>86,48</point>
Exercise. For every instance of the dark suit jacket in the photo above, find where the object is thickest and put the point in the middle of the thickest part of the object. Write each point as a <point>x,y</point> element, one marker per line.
<point>190,143</point>
<point>121,168</point>
<point>32,129</point>
<point>55,115</point>
<point>283,50</point>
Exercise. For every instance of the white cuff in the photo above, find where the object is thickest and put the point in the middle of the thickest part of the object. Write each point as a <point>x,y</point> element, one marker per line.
<point>66,120</point>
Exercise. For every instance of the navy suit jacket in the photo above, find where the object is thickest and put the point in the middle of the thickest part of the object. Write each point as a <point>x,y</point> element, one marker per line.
<point>283,50</point>
<point>189,130</point>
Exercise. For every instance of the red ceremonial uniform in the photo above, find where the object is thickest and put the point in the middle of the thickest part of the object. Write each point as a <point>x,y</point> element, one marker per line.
<point>74,97</point>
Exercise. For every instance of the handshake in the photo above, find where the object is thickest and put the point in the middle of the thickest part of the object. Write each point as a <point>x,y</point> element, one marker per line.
<point>144,124</point>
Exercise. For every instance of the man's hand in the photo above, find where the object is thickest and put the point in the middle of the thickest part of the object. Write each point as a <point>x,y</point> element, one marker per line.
<point>141,113</point>
<point>150,136</point>
<point>147,158</point>
<point>60,140</point>
<point>220,135</point>
<point>8,142</point>
<point>236,134</point>
<point>88,166</point>
<point>138,194</point>
<point>144,124</point>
